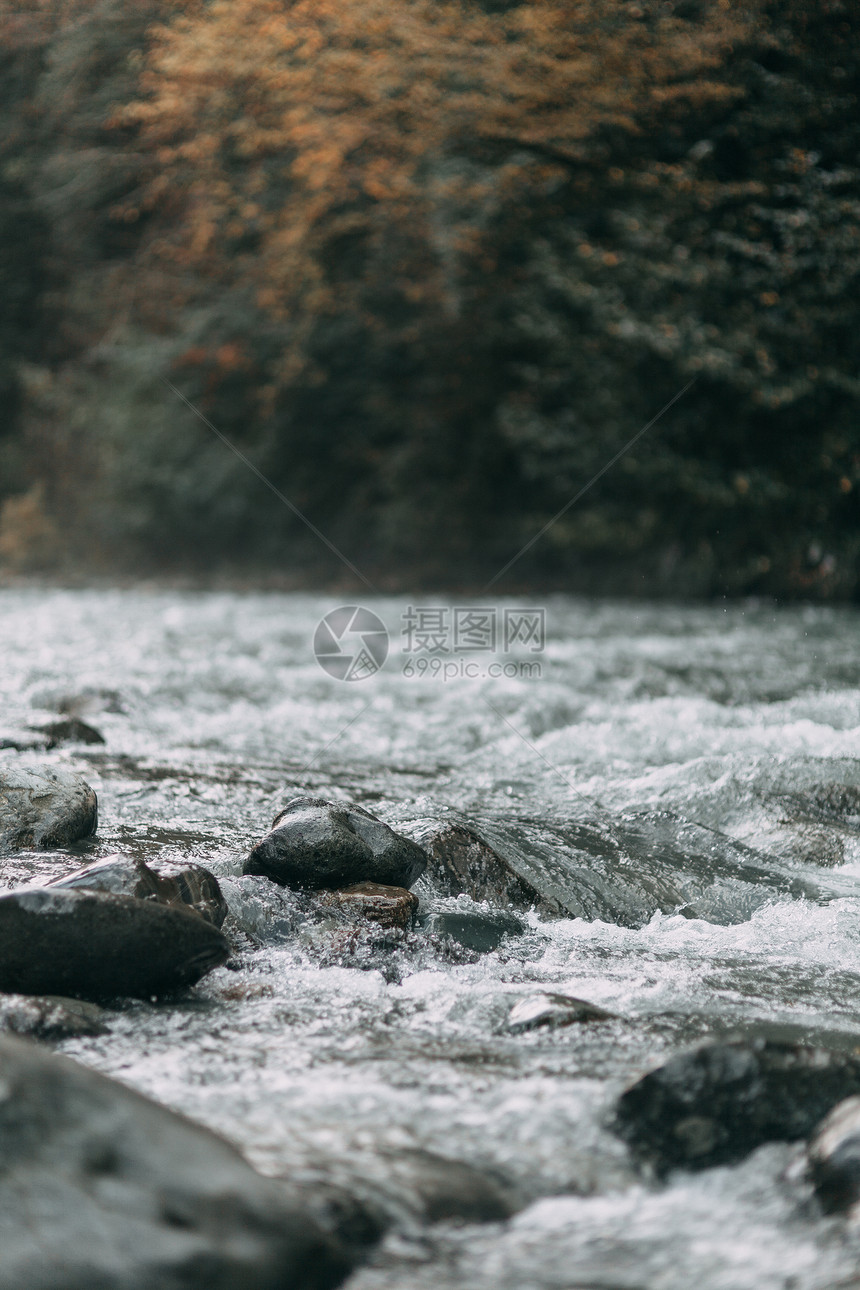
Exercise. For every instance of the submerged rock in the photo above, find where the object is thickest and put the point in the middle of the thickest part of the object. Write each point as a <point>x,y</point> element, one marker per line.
<point>27,740</point>
<point>101,1187</point>
<point>401,1188</point>
<point>460,862</point>
<point>185,885</point>
<point>263,911</point>
<point>439,1189</point>
<point>50,1017</point>
<point>316,844</point>
<point>553,1010</point>
<point>93,945</point>
<point>44,806</point>
<point>834,1157</point>
<point>718,1102</point>
<point>619,871</point>
<point>71,731</point>
<point>375,903</point>
<point>476,931</point>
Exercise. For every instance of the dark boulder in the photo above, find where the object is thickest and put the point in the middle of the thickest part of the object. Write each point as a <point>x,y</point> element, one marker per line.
<point>100,1187</point>
<point>553,1011</point>
<point>316,844</point>
<point>92,945</point>
<point>718,1102</point>
<point>182,884</point>
<point>834,1157</point>
<point>374,903</point>
<point>44,806</point>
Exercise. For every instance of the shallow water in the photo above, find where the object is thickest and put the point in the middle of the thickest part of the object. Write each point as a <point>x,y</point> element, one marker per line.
<point>743,719</point>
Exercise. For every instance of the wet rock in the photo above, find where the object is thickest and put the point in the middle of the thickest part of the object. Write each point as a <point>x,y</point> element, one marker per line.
<point>440,1189</point>
<point>834,1157</point>
<point>364,1193</point>
<point>476,931</point>
<point>620,870</point>
<point>101,1187</point>
<point>50,1017</point>
<point>71,731</point>
<point>460,862</point>
<point>44,806</point>
<point>372,902</point>
<point>553,1010</point>
<point>718,1102</point>
<point>185,885</point>
<point>317,844</point>
<point>92,945</point>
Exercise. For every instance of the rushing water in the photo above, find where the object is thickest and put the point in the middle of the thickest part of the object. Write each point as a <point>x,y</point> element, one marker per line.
<point>743,719</point>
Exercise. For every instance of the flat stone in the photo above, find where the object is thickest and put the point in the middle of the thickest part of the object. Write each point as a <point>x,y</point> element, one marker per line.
<point>375,903</point>
<point>315,844</point>
<point>101,1187</point>
<point>553,1010</point>
<point>44,806</point>
<point>475,931</point>
<point>92,945</point>
<point>50,1017</point>
<point>178,883</point>
<point>718,1102</point>
<point>834,1157</point>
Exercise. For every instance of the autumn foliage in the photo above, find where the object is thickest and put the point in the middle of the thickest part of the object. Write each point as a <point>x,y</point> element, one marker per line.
<point>334,152</point>
<point>430,264</point>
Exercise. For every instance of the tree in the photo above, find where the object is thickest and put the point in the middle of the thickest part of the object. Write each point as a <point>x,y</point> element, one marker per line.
<point>356,167</point>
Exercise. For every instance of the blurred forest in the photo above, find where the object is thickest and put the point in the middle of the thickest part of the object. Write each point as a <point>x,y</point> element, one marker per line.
<point>429,265</point>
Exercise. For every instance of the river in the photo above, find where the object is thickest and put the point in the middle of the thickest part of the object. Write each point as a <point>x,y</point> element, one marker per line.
<point>740,717</point>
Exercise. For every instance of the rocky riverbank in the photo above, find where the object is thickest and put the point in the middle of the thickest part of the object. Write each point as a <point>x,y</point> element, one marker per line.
<point>122,928</point>
<point>608,1033</point>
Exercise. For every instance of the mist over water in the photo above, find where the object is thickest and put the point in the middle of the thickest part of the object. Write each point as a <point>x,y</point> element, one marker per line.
<point>743,719</point>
